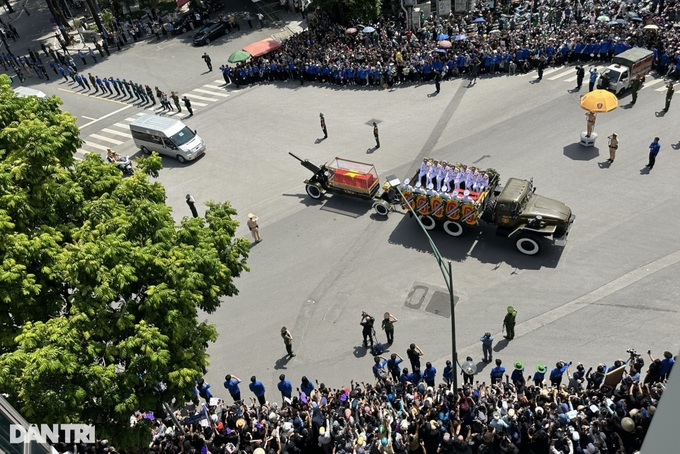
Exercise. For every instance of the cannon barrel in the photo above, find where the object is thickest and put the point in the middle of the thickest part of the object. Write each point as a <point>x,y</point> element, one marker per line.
<point>307,164</point>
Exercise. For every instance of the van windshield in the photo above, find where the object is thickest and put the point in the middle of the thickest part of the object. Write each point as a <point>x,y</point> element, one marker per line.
<point>183,136</point>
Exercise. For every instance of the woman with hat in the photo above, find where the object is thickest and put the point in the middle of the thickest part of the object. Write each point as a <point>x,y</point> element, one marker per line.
<point>517,377</point>
<point>388,326</point>
<point>539,376</point>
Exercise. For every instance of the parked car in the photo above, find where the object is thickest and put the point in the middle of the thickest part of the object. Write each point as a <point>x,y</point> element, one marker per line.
<point>182,23</point>
<point>209,32</point>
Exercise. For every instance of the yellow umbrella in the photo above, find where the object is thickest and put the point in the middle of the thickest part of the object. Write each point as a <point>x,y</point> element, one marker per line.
<point>599,101</point>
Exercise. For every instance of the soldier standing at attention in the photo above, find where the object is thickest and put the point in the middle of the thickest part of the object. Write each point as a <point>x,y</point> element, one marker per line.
<point>187,104</point>
<point>580,73</point>
<point>635,84</point>
<point>254,227</point>
<point>388,326</point>
<point>669,96</point>
<point>192,205</point>
<point>613,145</point>
<point>322,120</point>
<point>207,60</point>
<point>509,323</point>
<point>288,341</point>
<point>376,135</point>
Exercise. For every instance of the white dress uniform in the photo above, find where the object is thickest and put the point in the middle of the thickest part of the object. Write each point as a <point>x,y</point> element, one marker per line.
<point>441,174</point>
<point>423,169</point>
<point>466,196</point>
<point>407,186</point>
<point>469,179</point>
<point>458,177</point>
<point>431,173</point>
<point>430,189</point>
<point>419,188</point>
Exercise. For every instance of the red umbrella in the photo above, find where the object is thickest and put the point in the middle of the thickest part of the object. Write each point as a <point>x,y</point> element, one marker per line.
<point>181,3</point>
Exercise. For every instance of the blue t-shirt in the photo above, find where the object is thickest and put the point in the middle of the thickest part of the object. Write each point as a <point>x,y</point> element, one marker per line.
<point>558,372</point>
<point>429,373</point>
<point>257,388</point>
<point>448,372</point>
<point>497,372</point>
<point>232,386</point>
<point>286,388</point>
<point>307,387</point>
<point>517,376</point>
<point>666,365</point>
<point>377,367</point>
<point>654,148</point>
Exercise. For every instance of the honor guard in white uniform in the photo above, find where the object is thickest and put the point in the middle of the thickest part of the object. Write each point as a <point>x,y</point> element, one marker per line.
<point>430,189</point>
<point>445,192</point>
<point>419,188</point>
<point>423,169</point>
<point>448,177</point>
<point>431,174</point>
<point>466,196</point>
<point>407,185</point>
<point>476,179</point>
<point>441,174</point>
<point>469,179</point>
<point>458,177</point>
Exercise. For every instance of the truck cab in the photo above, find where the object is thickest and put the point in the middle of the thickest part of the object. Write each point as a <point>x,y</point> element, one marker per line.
<point>529,218</point>
<point>633,63</point>
<point>615,78</point>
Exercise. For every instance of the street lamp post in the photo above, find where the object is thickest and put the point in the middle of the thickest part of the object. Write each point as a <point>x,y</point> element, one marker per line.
<point>445,268</point>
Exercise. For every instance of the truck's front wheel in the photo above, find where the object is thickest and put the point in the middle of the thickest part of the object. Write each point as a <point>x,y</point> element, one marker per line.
<point>528,245</point>
<point>428,222</point>
<point>453,228</point>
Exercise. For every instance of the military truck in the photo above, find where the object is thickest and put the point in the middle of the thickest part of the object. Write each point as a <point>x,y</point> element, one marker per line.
<point>625,67</point>
<point>518,213</point>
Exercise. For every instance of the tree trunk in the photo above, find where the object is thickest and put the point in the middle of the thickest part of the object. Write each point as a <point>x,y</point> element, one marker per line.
<point>60,18</point>
<point>94,11</point>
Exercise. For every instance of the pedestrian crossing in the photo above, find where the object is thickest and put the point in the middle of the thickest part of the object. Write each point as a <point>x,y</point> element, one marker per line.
<point>567,74</point>
<point>117,135</point>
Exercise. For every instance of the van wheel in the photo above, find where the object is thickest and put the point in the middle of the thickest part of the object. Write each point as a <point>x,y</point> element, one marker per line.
<point>145,150</point>
<point>313,191</point>
<point>528,245</point>
<point>428,222</point>
<point>181,159</point>
<point>453,228</point>
<point>184,29</point>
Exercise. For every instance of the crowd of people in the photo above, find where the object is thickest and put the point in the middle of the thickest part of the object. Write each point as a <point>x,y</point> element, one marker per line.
<point>505,40</point>
<point>416,412</point>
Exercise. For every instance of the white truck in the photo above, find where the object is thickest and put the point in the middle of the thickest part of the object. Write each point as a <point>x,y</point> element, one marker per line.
<point>625,67</point>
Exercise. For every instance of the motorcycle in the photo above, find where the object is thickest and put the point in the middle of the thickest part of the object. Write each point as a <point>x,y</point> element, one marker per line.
<point>124,164</point>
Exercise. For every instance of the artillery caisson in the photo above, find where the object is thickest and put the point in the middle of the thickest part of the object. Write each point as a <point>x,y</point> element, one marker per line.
<point>350,178</point>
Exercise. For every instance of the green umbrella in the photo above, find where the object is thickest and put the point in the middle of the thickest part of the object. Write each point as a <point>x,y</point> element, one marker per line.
<point>239,55</point>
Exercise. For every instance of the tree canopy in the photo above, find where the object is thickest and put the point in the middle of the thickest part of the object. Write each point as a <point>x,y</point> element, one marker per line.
<point>349,11</point>
<point>99,287</point>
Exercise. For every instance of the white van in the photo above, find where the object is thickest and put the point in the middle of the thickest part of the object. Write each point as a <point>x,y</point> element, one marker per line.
<point>166,136</point>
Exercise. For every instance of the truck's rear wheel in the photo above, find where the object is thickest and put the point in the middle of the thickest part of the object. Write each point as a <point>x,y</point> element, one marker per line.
<point>313,191</point>
<point>428,222</point>
<point>453,228</point>
<point>528,245</point>
<point>382,208</point>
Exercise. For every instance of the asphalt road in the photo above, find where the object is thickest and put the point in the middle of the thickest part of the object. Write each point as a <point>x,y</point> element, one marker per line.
<point>322,263</point>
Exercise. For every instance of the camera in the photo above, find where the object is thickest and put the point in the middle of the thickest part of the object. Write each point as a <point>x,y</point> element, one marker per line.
<point>363,314</point>
<point>633,354</point>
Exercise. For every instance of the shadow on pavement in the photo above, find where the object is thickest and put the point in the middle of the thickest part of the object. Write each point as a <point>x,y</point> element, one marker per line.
<point>500,345</point>
<point>360,351</point>
<point>577,152</point>
<point>480,242</point>
<point>282,363</point>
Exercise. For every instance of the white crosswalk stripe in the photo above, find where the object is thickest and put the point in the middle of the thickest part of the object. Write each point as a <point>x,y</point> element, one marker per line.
<point>561,75</point>
<point>191,96</point>
<point>650,83</point>
<point>223,95</point>
<point>117,133</point>
<point>106,139</point>
<point>94,145</point>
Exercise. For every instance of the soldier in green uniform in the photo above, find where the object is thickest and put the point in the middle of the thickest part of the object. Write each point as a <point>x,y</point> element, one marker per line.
<point>388,325</point>
<point>509,323</point>
<point>635,84</point>
<point>288,341</point>
<point>376,135</point>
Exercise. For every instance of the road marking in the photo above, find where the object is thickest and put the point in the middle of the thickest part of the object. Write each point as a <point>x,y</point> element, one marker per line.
<point>90,96</point>
<point>560,75</point>
<point>89,118</point>
<point>199,104</point>
<point>106,139</point>
<point>122,125</point>
<point>95,145</point>
<point>571,79</point>
<point>117,133</point>
<point>650,83</point>
<point>127,106</point>
<point>202,98</point>
<point>220,82</point>
<point>550,71</point>
<point>222,95</point>
<point>214,87</point>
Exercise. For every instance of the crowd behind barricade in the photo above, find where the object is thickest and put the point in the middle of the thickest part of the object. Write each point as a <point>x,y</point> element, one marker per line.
<point>401,412</point>
<point>489,42</point>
